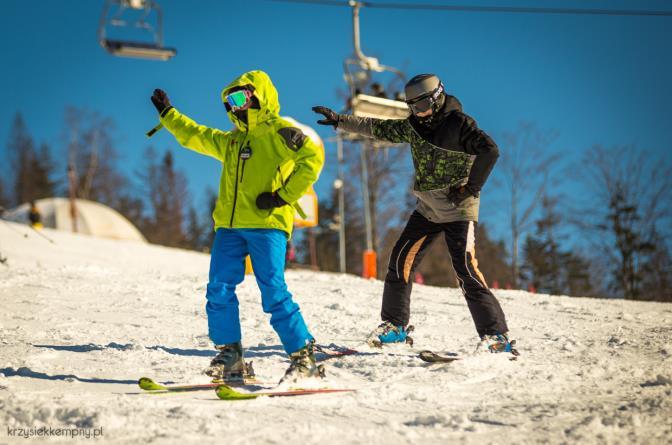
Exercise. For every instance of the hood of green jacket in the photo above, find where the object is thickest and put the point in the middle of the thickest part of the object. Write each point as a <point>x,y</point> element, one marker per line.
<point>264,91</point>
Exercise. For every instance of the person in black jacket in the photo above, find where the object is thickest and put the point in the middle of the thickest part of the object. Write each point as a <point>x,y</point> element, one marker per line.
<point>34,216</point>
<point>453,159</point>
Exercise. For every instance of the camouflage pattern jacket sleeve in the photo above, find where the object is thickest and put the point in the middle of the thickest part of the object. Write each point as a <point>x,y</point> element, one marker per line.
<point>396,131</point>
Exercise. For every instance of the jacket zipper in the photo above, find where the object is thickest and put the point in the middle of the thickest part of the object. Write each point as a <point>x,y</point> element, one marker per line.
<point>242,171</point>
<point>235,190</point>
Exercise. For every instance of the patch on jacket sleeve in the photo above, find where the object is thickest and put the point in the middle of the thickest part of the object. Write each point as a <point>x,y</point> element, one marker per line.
<point>294,138</point>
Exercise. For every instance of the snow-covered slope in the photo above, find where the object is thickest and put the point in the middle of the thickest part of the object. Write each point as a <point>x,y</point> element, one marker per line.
<point>83,318</point>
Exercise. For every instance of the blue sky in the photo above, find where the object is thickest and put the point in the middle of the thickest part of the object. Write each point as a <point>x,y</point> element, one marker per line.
<point>591,79</point>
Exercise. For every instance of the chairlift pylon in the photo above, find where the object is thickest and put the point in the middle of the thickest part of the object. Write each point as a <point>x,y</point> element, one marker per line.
<point>113,15</point>
<point>358,75</point>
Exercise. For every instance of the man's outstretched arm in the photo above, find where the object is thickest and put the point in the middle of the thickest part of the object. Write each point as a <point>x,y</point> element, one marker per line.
<point>393,130</point>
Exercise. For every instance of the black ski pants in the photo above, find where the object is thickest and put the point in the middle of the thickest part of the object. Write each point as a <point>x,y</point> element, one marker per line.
<point>407,254</point>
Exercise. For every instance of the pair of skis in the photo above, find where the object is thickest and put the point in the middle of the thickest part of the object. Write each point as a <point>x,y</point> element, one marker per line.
<point>228,392</point>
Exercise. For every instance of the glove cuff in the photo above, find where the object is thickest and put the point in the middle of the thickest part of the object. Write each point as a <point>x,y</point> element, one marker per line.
<point>473,189</point>
<point>279,202</point>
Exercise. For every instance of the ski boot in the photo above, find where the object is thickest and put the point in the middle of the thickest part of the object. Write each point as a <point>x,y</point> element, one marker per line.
<point>303,366</point>
<point>498,343</point>
<point>228,366</point>
<point>387,332</point>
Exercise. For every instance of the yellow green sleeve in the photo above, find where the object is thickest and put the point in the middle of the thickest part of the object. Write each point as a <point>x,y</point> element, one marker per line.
<point>308,160</point>
<point>199,138</point>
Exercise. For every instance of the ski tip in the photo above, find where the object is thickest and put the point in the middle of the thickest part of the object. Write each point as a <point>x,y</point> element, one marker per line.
<point>150,385</point>
<point>225,392</point>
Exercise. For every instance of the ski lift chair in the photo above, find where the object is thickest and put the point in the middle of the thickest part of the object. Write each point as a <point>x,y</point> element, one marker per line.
<point>152,50</point>
<point>364,105</point>
<point>358,74</point>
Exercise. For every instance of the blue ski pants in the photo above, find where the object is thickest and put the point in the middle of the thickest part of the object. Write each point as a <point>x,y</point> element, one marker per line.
<point>267,248</point>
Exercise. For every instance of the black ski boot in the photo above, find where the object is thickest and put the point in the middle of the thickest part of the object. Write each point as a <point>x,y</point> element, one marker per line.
<point>228,365</point>
<point>303,366</point>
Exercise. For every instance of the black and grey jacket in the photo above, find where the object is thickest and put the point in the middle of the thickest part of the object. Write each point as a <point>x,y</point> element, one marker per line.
<point>453,153</point>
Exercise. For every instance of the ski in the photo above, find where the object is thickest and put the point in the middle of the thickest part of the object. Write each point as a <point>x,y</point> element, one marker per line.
<point>332,350</point>
<point>432,357</point>
<point>322,353</point>
<point>225,392</point>
<point>150,385</point>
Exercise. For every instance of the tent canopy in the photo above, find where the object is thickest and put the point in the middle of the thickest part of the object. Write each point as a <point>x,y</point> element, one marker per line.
<point>93,218</point>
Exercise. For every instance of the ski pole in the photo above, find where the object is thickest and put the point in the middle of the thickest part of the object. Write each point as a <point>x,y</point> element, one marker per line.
<point>42,235</point>
<point>25,235</point>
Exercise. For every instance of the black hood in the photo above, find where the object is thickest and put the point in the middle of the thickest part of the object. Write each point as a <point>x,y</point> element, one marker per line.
<point>452,104</point>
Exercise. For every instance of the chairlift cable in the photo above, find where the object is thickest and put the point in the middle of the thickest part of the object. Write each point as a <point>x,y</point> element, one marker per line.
<point>497,9</point>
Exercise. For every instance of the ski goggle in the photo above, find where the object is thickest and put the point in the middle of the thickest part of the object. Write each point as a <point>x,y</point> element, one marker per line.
<point>425,102</point>
<point>239,100</point>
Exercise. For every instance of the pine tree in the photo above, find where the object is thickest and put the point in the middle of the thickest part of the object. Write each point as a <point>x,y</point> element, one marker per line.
<point>42,170</point>
<point>21,152</point>
<point>626,218</point>
<point>543,259</point>
<point>133,209</point>
<point>210,203</point>
<point>547,267</point>
<point>167,189</point>
<point>197,231</point>
<point>3,199</point>
<point>578,276</point>
<point>632,245</point>
<point>492,254</point>
<point>524,172</point>
<point>657,272</point>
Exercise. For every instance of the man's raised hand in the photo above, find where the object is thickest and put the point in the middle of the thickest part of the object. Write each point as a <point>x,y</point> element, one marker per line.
<point>330,116</point>
<point>161,101</point>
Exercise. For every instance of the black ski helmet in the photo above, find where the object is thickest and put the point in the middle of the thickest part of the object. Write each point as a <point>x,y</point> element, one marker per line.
<point>424,92</point>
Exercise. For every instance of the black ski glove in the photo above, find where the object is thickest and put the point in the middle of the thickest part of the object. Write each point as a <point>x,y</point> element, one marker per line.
<point>458,194</point>
<point>161,101</point>
<point>331,117</point>
<point>268,200</point>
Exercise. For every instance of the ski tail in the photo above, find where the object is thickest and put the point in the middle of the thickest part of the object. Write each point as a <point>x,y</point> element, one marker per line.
<point>225,392</point>
<point>150,385</point>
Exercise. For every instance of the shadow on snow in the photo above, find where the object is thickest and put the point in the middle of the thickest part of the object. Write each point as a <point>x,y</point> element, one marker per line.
<point>253,352</point>
<point>27,372</point>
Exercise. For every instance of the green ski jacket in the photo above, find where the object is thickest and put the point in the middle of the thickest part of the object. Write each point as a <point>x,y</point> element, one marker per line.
<point>266,154</point>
